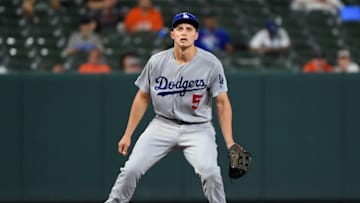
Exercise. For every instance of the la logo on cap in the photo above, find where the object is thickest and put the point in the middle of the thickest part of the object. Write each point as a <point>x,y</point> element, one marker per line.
<point>185,15</point>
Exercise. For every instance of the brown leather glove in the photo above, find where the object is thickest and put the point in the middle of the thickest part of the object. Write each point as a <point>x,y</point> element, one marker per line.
<point>240,161</point>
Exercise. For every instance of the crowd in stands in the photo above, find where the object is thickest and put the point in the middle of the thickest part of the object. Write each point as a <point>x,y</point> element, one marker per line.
<point>94,63</point>
<point>320,64</point>
<point>104,16</point>
<point>212,38</point>
<point>271,40</point>
<point>143,18</point>
<point>331,6</point>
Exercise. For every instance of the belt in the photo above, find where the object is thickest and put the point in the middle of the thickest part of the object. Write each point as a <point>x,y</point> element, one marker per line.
<point>180,122</point>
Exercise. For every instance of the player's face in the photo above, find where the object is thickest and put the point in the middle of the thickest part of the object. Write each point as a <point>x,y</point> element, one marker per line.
<point>94,56</point>
<point>210,23</point>
<point>343,62</point>
<point>184,35</point>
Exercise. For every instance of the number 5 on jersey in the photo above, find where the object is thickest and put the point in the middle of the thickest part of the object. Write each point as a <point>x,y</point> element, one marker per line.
<point>196,100</point>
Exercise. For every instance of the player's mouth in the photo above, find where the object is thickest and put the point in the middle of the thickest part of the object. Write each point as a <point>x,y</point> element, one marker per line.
<point>183,39</point>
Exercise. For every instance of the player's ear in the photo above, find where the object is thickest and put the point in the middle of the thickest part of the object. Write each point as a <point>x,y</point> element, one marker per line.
<point>196,35</point>
<point>172,34</point>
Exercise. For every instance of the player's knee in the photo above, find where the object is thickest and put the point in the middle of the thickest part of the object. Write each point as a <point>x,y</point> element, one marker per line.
<point>132,172</point>
<point>208,171</point>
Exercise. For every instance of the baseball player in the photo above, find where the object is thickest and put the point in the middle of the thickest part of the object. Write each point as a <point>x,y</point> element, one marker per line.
<point>181,83</point>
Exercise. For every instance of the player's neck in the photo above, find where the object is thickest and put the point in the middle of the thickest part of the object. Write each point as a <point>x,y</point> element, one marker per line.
<point>184,55</point>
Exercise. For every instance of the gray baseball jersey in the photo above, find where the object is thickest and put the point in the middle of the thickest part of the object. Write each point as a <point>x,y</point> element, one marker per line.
<point>183,92</point>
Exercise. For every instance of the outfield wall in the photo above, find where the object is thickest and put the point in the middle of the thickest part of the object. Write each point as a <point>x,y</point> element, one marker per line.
<point>59,133</point>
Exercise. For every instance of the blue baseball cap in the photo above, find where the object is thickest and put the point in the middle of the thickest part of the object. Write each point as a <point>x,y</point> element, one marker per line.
<point>272,26</point>
<point>185,17</point>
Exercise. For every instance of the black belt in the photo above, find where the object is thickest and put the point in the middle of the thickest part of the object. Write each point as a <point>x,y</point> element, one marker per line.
<point>180,122</point>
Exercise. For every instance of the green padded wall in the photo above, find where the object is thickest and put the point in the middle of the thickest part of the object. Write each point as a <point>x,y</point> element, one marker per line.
<point>303,123</point>
<point>11,172</point>
<point>62,137</point>
<point>350,140</point>
<point>59,134</point>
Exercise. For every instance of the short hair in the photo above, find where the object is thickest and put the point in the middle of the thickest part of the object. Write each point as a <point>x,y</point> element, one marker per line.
<point>126,54</point>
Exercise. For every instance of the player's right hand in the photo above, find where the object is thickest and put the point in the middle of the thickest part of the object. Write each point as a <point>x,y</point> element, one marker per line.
<point>124,145</point>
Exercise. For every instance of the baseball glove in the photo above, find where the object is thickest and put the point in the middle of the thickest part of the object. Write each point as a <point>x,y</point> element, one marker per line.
<point>240,161</point>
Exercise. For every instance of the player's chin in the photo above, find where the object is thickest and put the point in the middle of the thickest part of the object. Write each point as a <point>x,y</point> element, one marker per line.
<point>185,45</point>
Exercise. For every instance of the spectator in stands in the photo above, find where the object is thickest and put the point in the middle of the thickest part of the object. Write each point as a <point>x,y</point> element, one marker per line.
<point>130,63</point>
<point>212,38</point>
<point>85,39</point>
<point>318,65</point>
<point>331,6</point>
<point>110,16</point>
<point>27,6</point>
<point>107,14</point>
<point>344,63</point>
<point>94,64</point>
<point>271,40</point>
<point>58,68</point>
<point>94,5</point>
<point>59,4</point>
<point>143,18</point>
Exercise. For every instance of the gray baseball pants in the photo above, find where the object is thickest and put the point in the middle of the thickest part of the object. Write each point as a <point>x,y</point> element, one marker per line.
<point>161,136</point>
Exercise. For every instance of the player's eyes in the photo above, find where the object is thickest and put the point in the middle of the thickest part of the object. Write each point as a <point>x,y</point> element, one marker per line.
<point>187,29</point>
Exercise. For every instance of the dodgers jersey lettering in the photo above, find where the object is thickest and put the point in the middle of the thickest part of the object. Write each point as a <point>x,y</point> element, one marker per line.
<point>183,92</point>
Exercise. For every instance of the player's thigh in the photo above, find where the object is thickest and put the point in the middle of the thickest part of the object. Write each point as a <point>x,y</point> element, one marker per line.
<point>152,145</point>
<point>200,150</point>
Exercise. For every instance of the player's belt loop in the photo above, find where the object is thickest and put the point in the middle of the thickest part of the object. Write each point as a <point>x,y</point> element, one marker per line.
<point>180,122</point>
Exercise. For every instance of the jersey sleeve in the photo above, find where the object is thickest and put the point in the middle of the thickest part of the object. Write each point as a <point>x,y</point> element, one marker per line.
<point>98,43</point>
<point>71,43</point>
<point>158,21</point>
<point>257,40</point>
<point>285,40</point>
<point>218,80</point>
<point>143,81</point>
<point>225,39</point>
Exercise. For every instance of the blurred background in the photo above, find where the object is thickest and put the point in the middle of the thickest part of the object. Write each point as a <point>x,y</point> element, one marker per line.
<point>67,69</point>
<point>57,35</point>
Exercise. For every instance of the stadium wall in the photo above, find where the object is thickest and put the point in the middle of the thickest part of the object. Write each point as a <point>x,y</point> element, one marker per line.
<point>59,133</point>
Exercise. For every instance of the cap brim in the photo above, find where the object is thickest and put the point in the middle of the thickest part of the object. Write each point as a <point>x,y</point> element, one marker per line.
<point>191,22</point>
